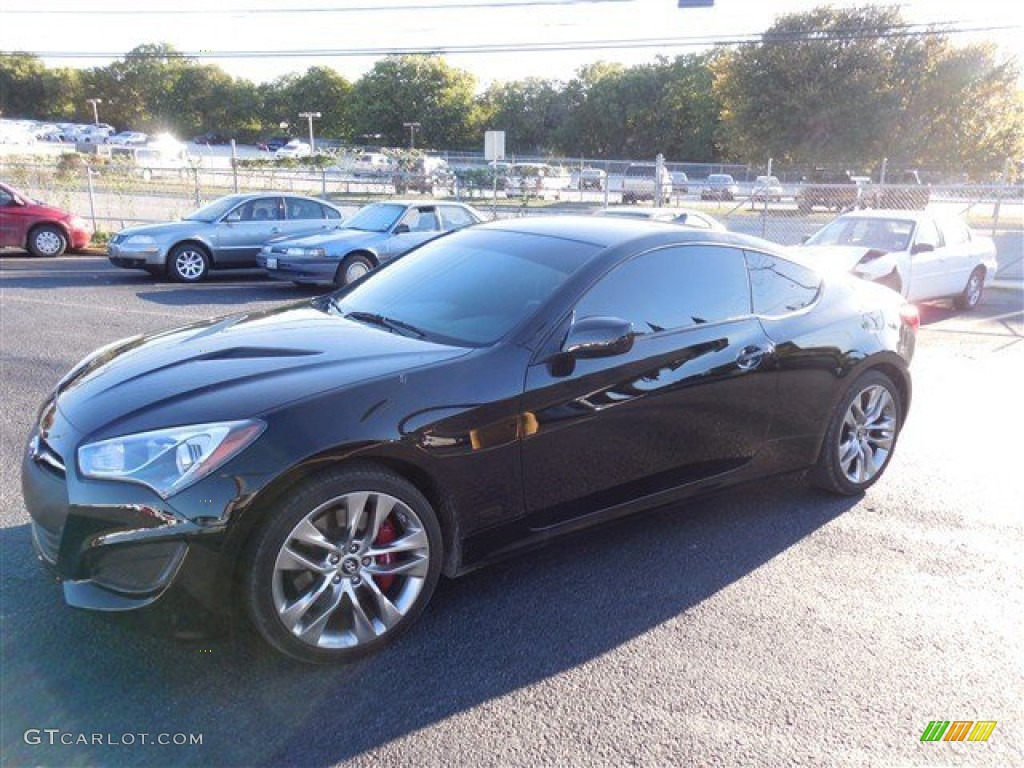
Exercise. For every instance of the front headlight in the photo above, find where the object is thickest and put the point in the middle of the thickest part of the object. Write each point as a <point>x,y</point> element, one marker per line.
<point>140,242</point>
<point>167,460</point>
<point>309,253</point>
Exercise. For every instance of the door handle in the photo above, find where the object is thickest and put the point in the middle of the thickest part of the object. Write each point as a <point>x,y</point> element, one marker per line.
<point>752,356</point>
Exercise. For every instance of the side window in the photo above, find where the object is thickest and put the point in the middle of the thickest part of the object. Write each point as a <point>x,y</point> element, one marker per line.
<point>927,232</point>
<point>779,286</point>
<point>954,232</point>
<point>693,220</point>
<point>454,217</point>
<point>672,288</point>
<point>330,213</point>
<point>420,220</point>
<point>5,199</point>
<point>260,209</point>
<point>297,208</point>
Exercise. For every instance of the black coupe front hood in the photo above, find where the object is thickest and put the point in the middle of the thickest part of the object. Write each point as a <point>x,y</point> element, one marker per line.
<point>234,367</point>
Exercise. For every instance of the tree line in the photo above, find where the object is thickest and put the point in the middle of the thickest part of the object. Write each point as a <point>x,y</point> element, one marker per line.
<point>826,87</point>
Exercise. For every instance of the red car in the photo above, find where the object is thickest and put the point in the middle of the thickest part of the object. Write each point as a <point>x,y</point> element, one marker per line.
<point>40,229</point>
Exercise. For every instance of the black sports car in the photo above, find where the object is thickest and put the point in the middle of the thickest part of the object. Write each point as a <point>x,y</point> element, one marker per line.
<point>324,463</point>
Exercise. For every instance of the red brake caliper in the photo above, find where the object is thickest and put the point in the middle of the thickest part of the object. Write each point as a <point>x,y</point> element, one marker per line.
<point>385,536</point>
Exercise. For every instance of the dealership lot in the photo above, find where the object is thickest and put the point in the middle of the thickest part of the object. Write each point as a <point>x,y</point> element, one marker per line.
<point>772,625</point>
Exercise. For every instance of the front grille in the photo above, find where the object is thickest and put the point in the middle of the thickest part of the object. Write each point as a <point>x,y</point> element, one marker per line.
<point>47,543</point>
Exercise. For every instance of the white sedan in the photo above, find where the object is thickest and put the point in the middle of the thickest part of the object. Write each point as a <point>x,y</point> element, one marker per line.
<point>919,255</point>
<point>294,148</point>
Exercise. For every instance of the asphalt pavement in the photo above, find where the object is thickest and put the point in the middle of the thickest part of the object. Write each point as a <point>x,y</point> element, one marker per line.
<point>771,625</point>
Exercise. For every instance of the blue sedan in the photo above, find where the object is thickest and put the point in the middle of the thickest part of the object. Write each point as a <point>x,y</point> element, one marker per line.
<point>375,234</point>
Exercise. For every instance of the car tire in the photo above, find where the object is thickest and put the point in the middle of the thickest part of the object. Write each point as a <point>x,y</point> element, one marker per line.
<point>971,295</point>
<point>188,263</point>
<point>861,436</point>
<point>47,241</point>
<point>344,566</point>
<point>353,267</point>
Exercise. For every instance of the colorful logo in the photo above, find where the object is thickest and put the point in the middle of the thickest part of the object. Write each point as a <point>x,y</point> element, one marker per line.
<point>958,730</point>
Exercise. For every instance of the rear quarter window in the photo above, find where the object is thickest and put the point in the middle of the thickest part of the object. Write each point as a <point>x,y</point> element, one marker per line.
<point>779,287</point>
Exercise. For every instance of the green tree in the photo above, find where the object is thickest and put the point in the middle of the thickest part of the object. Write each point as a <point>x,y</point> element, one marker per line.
<point>319,89</point>
<point>420,89</point>
<point>530,112</point>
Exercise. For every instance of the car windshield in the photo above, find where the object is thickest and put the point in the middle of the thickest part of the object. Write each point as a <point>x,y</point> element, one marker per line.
<point>378,217</point>
<point>861,231</point>
<point>214,210</point>
<point>467,289</point>
<point>717,178</point>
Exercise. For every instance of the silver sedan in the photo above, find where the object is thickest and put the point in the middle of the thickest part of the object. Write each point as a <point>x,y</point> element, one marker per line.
<point>376,233</point>
<point>226,234</point>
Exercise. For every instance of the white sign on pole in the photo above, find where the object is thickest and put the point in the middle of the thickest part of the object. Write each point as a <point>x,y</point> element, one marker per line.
<point>494,145</point>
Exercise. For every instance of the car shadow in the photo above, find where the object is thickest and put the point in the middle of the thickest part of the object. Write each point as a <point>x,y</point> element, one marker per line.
<point>483,636</point>
<point>217,290</point>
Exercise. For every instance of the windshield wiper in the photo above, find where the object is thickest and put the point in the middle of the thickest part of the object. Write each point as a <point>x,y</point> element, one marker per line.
<point>395,326</point>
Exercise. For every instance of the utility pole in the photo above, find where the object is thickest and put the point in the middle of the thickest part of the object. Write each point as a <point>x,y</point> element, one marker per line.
<point>412,133</point>
<point>95,111</point>
<point>309,116</point>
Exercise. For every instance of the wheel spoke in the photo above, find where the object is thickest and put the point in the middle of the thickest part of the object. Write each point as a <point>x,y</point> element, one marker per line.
<point>361,624</point>
<point>292,614</point>
<point>310,535</point>
<point>290,560</point>
<point>412,542</point>
<point>355,504</point>
<point>416,567</point>
<point>313,631</point>
<point>389,614</point>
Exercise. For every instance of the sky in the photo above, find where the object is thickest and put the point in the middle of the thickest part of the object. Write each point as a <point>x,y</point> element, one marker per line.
<point>87,33</point>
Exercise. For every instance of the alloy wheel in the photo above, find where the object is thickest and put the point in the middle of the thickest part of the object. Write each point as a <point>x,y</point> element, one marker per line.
<point>350,570</point>
<point>867,435</point>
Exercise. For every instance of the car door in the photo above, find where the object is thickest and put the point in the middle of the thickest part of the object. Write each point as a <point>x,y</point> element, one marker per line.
<point>960,257</point>
<point>693,398</point>
<point>12,230</point>
<point>417,225</point>
<point>927,262</point>
<point>243,230</point>
<point>303,216</point>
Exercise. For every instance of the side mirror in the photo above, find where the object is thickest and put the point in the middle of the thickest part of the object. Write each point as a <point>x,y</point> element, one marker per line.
<point>599,337</point>
<point>922,248</point>
<point>401,229</point>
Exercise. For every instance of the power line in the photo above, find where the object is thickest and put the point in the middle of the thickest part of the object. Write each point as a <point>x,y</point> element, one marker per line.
<point>493,5</point>
<point>806,36</point>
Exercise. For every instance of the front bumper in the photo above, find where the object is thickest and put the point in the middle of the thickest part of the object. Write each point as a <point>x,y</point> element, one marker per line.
<point>135,258</point>
<point>299,270</point>
<point>119,547</point>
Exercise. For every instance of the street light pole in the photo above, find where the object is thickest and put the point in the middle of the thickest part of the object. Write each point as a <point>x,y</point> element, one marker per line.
<point>412,133</point>
<point>309,116</point>
<point>95,111</point>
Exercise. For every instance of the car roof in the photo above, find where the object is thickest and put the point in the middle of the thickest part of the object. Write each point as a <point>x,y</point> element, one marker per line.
<point>609,231</point>
<point>887,213</point>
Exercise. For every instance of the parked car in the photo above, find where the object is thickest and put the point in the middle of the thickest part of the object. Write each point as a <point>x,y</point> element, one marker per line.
<point>41,229</point>
<point>766,189</point>
<point>274,143</point>
<point>685,216</point>
<point>719,186</point>
<point>834,190</point>
<point>226,234</point>
<point>901,190</point>
<point>296,148</point>
<point>375,234</point>
<point>921,256</point>
<point>212,138</point>
<point>591,178</point>
<point>128,139</point>
<point>645,181</point>
<point>372,164</point>
<point>536,179</point>
<point>428,175</point>
<point>680,182</point>
<point>321,464</point>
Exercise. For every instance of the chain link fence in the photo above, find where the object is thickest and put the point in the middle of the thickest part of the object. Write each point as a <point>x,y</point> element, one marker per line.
<point>785,212</point>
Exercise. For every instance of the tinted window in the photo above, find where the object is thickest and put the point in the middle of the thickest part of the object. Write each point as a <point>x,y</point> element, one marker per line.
<point>779,286</point>
<point>469,288</point>
<point>672,288</point>
<point>927,232</point>
<point>260,209</point>
<point>955,232</point>
<point>455,217</point>
<point>298,208</point>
